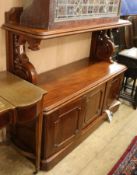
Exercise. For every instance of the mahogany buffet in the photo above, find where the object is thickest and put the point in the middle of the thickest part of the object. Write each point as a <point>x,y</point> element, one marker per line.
<point>78,93</point>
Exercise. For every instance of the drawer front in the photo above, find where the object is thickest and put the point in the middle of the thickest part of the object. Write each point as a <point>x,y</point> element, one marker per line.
<point>62,126</point>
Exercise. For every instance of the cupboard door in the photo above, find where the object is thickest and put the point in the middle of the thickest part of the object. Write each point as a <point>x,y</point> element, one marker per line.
<point>112,90</point>
<point>62,126</point>
<point>94,103</point>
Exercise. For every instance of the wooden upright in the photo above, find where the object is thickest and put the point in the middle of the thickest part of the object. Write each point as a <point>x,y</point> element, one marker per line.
<point>78,93</point>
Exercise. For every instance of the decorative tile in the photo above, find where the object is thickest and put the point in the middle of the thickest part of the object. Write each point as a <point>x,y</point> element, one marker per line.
<point>67,10</point>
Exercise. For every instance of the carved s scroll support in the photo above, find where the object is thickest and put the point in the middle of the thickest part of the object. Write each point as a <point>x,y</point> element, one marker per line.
<point>102,47</point>
<point>22,65</point>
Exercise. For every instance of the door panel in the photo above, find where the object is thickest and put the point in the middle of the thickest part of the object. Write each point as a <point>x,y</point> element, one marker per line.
<point>62,126</point>
<point>112,91</point>
<point>94,103</point>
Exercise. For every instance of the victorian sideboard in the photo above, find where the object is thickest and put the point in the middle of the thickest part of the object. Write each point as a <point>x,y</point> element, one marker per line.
<point>78,93</point>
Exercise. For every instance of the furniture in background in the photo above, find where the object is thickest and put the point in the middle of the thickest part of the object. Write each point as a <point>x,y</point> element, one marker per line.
<point>20,103</point>
<point>128,56</point>
<point>129,34</point>
<point>128,92</point>
<point>78,93</point>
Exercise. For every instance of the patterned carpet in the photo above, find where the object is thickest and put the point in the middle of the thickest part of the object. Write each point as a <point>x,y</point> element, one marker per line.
<point>127,164</point>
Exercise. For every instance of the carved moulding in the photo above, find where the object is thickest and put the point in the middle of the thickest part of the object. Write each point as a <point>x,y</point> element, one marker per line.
<point>102,47</point>
<point>18,35</point>
<point>21,63</point>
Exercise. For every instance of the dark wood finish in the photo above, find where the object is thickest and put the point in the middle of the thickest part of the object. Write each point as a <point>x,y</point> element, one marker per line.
<point>77,110</point>
<point>13,108</point>
<point>133,20</point>
<point>94,98</point>
<point>62,127</point>
<point>126,37</point>
<point>19,63</point>
<point>131,31</point>
<point>85,74</point>
<point>6,113</point>
<point>12,24</point>
<point>88,108</point>
<point>41,20</point>
<point>128,57</point>
<point>17,36</point>
<point>5,119</point>
<point>103,47</point>
<point>78,93</point>
<point>112,91</point>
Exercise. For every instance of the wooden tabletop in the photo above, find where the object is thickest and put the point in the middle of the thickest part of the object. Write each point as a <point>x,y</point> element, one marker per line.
<point>18,92</point>
<point>5,105</point>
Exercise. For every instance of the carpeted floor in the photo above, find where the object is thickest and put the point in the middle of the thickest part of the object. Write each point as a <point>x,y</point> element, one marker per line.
<point>127,164</point>
<point>95,156</point>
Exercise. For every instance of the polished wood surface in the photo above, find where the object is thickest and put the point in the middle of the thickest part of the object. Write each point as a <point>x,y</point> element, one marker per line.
<point>17,59</point>
<point>103,47</point>
<point>31,94</point>
<point>13,24</point>
<point>47,34</point>
<point>67,125</point>
<point>78,93</point>
<point>72,109</point>
<point>85,74</point>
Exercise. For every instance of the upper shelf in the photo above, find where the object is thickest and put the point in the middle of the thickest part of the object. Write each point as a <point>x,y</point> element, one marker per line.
<point>46,34</point>
<point>12,24</point>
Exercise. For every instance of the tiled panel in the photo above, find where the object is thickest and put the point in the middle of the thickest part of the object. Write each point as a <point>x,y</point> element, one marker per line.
<point>84,9</point>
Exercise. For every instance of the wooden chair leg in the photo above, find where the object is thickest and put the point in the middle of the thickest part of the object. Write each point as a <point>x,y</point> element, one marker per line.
<point>133,87</point>
<point>125,83</point>
<point>122,84</point>
<point>135,99</point>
